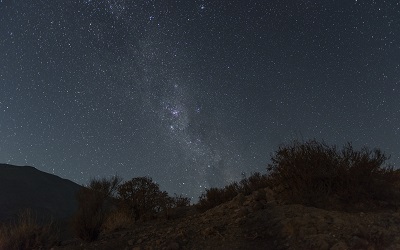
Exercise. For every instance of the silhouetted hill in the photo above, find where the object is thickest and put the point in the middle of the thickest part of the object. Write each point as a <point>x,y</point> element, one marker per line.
<point>27,187</point>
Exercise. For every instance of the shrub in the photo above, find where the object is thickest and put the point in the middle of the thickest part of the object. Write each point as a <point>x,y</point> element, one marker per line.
<point>313,173</point>
<point>143,197</point>
<point>118,219</point>
<point>180,201</point>
<point>27,233</point>
<point>216,196</point>
<point>92,207</point>
<point>108,187</point>
<point>254,182</point>
<point>90,216</point>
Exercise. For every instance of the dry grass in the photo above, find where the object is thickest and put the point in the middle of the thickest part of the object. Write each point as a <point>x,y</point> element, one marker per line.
<point>88,220</point>
<point>116,220</point>
<point>95,204</point>
<point>27,233</point>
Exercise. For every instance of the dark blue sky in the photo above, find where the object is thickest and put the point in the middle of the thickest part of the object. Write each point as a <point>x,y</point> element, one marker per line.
<point>192,93</point>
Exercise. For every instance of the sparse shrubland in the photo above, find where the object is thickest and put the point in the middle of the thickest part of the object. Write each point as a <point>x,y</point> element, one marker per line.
<point>309,173</point>
<point>216,196</point>
<point>144,199</point>
<point>107,205</point>
<point>180,201</point>
<point>315,174</point>
<point>28,233</point>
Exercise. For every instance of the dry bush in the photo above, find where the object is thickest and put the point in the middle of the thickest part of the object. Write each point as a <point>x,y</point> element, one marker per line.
<point>180,201</point>
<point>118,219</point>
<point>216,196</point>
<point>95,204</point>
<point>254,182</point>
<point>107,186</point>
<point>143,198</point>
<point>211,198</point>
<point>90,216</point>
<point>27,233</point>
<point>313,173</point>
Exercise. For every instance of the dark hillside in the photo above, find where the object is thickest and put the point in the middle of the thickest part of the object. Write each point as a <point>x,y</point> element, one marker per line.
<point>27,187</point>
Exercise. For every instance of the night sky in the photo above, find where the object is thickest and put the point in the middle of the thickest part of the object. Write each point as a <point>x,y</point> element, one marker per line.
<point>193,92</point>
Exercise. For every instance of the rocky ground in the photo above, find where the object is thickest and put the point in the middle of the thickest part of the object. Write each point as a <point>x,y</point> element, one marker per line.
<point>257,221</point>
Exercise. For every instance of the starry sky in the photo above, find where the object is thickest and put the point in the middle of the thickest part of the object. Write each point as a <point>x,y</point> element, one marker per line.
<point>193,93</point>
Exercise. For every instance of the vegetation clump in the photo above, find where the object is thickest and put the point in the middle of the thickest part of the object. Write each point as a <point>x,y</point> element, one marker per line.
<point>313,173</point>
<point>144,199</point>
<point>216,196</point>
<point>142,196</point>
<point>93,209</point>
<point>106,205</point>
<point>28,233</point>
<point>310,173</point>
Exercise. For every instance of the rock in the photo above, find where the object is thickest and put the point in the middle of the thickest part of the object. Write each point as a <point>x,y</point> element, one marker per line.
<point>208,231</point>
<point>269,194</point>
<point>241,212</point>
<point>258,206</point>
<point>239,199</point>
<point>357,242</point>
<point>338,221</point>
<point>339,246</point>
<point>287,229</point>
<point>305,231</point>
<point>131,242</point>
<point>172,246</point>
<point>394,247</point>
<point>320,243</point>
<point>239,220</point>
<point>259,195</point>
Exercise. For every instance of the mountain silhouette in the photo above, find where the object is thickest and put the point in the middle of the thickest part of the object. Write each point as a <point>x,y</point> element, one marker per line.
<point>46,194</point>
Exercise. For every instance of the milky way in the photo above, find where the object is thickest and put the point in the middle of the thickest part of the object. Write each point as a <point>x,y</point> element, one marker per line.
<point>192,93</point>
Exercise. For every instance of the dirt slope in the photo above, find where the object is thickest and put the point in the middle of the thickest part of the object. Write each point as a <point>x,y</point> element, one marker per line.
<point>257,221</point>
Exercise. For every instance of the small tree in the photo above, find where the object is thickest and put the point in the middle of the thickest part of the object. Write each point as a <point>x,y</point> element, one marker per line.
<point>142,196</point>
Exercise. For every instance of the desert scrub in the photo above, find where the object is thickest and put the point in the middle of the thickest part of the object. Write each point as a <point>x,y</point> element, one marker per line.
<point>116,220</point>
<point>216,196</point>
<point>28,233</point>
<point>88,220</point>
<point>143,198</point>
<point>94,206</point>
<point>314,173</point>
